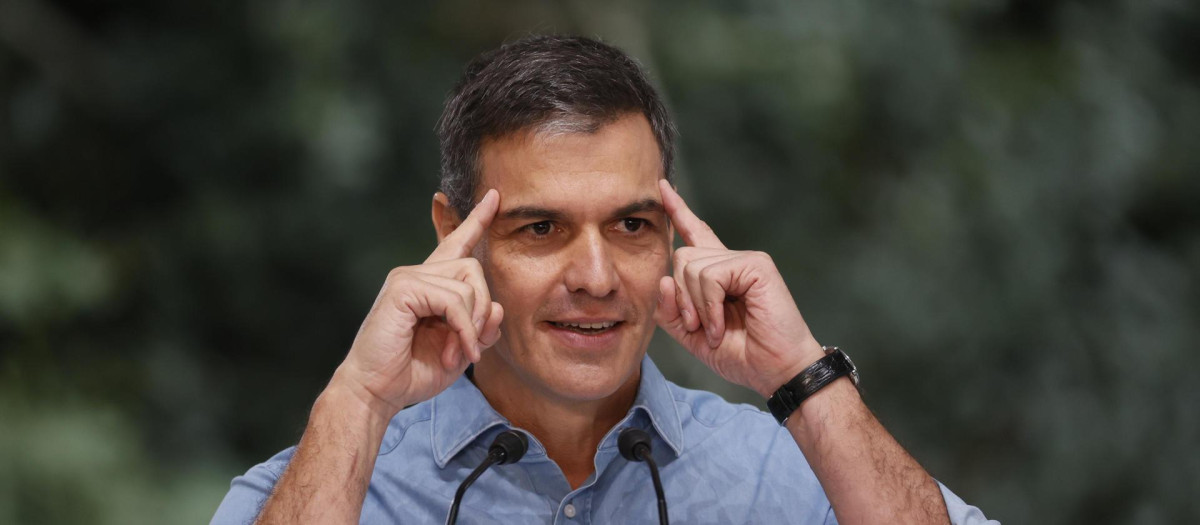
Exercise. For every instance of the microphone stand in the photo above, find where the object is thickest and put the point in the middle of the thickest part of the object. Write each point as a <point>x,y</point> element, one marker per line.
<point>508,447</point>
<point>634,445</point>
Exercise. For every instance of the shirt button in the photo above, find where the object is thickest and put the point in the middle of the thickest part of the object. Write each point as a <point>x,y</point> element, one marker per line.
<point>569,510</point>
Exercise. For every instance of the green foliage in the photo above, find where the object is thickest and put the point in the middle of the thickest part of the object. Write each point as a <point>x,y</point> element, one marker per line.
<point>990,205</point>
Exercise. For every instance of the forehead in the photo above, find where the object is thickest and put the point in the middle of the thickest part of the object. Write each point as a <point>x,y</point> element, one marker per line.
<point>574,172</point>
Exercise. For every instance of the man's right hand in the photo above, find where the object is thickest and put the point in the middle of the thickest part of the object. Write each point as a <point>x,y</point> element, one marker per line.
<point>428,322</point>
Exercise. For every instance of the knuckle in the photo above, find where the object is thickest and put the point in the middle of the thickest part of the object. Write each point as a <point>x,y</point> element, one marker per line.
<point>454,284</point>
<point>472,265</point>
<point>685,256</point>
<point>448,297</point>
<point>680,271</point>
<point>397,273</point>
<point>460,289</point>
<point>461,300</point>
<point>441,294</point>
<point>468,268</point>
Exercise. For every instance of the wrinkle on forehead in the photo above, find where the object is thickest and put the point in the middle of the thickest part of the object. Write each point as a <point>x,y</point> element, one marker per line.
<point>530,166</point>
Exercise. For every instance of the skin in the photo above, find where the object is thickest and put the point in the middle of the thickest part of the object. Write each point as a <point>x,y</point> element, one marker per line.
<point>581,235</point>
<point>732,310</point>
<point>574,227</point>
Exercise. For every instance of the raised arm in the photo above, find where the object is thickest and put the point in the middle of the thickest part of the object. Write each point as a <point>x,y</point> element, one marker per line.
<point>733,311</point>
<point>427,324</point>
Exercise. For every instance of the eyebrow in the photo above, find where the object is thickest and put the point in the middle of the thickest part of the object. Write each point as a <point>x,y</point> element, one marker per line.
<point>536,212</point>
<point>532,212</point>
<point>644,205</point>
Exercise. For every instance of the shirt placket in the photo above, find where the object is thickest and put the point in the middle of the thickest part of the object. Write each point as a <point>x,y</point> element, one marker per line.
<point>576,508</point>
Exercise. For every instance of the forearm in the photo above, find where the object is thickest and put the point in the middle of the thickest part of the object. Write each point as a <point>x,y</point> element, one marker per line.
<point>327,478</point>
<point>867,476</point>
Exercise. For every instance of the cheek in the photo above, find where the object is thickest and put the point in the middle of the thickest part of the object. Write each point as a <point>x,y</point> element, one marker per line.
<point>642,269</point>
<point>515,279</point>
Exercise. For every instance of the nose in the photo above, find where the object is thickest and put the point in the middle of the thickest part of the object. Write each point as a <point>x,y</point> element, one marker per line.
<point>590,266</point>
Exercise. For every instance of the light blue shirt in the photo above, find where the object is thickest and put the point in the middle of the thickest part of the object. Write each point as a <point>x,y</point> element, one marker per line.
<point>719,462</point>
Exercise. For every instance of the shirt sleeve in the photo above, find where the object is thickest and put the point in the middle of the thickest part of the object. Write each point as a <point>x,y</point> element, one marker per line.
<point>962,513</point>
<point>248,492</point>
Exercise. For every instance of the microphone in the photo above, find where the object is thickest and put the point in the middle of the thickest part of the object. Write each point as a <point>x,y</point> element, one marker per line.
<point>634,445</point>
<point>508,447</point>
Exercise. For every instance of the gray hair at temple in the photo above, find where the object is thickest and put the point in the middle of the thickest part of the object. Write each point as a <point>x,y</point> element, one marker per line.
<point>548,83</point>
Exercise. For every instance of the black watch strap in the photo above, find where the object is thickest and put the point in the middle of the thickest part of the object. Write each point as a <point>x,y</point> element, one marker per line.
<point>787,399</point>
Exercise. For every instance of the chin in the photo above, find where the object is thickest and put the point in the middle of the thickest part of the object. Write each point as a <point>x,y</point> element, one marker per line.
<point>590,381</point>
<point>571,376</point>
<point>546,365</point>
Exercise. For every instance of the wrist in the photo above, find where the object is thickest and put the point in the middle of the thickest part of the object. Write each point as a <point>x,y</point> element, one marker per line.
<point>838,401</point>
<point>808,353</point>
<point>800,390</point>
<point>350,396</point>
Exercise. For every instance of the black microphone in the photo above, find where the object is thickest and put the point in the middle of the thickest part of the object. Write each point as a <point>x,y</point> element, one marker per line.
<point>508,447</point>
<point>634,445</point>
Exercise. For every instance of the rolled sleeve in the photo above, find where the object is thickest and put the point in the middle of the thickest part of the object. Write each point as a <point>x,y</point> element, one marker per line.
<point>962,513</point>
<point>248,492</point>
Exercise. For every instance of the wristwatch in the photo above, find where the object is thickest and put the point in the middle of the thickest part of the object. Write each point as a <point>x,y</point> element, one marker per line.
<point>787,399</point>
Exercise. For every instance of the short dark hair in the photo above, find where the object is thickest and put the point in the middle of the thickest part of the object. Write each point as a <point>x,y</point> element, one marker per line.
<point>566,83</point>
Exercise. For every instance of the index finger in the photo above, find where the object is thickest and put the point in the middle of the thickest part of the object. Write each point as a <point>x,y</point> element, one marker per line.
<point>693,230</point>
<point>463,239</point>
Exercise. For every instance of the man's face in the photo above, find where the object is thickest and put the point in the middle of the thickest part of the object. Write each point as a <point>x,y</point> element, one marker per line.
<point>574,255</point>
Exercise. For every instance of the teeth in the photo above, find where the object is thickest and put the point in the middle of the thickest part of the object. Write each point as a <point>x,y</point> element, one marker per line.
<point>589,326</point>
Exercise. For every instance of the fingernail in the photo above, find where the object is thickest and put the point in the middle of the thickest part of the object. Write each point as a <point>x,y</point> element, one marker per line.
<point>478,325</point>
<point>687,316</point>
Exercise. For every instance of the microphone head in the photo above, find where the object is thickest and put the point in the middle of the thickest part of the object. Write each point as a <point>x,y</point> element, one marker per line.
<point>512,444</point>
<point>630,440</point>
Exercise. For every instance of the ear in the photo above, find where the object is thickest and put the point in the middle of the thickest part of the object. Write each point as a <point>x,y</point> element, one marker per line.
<point>445,218</point>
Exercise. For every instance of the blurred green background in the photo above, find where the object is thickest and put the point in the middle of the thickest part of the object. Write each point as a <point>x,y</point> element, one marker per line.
<point>993,205</point>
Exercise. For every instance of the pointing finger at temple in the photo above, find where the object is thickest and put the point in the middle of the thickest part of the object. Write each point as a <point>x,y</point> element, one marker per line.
<point>463,239</point>
<point>693,230</point>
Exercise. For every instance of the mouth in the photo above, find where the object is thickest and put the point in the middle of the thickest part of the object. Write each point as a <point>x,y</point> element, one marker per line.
<point>588,328</point>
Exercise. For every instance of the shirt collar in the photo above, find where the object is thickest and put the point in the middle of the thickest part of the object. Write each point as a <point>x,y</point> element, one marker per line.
<point>461,414</point>
<point>654,398</point>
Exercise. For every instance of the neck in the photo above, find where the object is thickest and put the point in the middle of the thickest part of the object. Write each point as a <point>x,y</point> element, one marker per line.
<point>570,429</point>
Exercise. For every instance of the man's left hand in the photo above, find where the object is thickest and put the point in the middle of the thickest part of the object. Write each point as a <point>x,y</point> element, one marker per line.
<point>731,309</point>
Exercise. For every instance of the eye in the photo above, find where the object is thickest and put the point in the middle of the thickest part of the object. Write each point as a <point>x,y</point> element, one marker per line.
<point>633,224</point>
<point>540,228</point>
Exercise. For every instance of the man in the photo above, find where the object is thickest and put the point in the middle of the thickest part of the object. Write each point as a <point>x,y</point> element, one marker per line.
<point>553,268</point>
